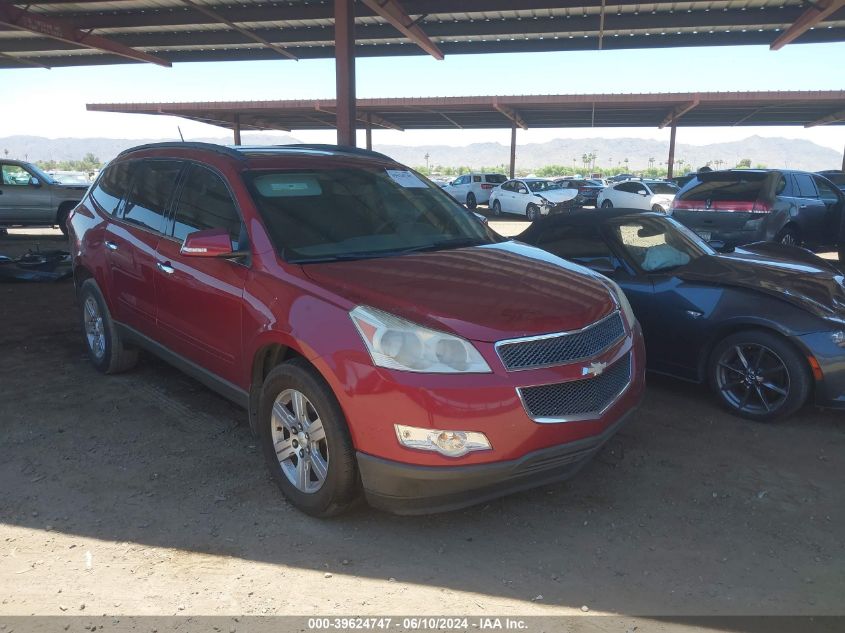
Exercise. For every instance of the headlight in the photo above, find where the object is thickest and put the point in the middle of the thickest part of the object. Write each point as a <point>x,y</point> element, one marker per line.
<point>545,202</point>
<point>395,343</point>
<point>623,302</point>
<point>449,443</point>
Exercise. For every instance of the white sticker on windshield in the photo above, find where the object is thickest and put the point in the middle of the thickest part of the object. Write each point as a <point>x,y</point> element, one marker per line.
<point>406,179</point>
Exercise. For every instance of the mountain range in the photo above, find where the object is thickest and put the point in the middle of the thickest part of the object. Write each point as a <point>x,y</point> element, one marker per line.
<point>768,151</point>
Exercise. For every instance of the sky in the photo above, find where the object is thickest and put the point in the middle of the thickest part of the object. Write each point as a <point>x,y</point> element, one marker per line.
<point>51,103</point>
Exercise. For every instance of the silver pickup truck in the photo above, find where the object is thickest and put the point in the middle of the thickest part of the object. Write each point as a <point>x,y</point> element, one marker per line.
<point>29,197</point>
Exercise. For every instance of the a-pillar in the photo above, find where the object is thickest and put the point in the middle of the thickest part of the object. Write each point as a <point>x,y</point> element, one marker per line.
<point>344,51</point>
<point>671,163</point>
<point>513,149</point>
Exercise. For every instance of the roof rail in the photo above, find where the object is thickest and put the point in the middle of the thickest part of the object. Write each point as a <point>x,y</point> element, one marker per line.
<point>209,147</point>
<point>318,147</point>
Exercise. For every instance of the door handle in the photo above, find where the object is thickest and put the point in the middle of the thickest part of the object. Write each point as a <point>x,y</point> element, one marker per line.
<point>166,267</point>
<point>112,246</point>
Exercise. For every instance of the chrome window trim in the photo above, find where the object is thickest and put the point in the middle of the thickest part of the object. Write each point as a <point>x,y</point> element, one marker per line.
<point>541,337</point>
<point>582,417</point>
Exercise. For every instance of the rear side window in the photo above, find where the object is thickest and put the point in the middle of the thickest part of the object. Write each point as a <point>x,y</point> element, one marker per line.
<point>152,190</point>
<point>728,189</point>
<point>112,186</point>
<point>476,178</point>
<point>826,191</point>
<point>496,179</point>
<point>205,203</point>
<point>806,188</point>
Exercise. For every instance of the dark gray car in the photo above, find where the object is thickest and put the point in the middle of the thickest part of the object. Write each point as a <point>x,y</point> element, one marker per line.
<point>29,197</point>
<point>740,206</point>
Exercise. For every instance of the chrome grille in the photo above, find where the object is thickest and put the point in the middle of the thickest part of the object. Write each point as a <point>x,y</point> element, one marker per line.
<point>567,347</point>
<point>577,399</point>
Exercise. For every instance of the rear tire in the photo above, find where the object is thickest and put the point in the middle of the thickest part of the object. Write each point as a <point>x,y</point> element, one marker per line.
<point>606,204</point>
<point>497,207</point>
<point>789,236</point>
<point>61,218</point>
<point>103,343</point>
<point>657,208</point>
<point>759,375</point>
<point>318,474</point>
<point>471,201</point>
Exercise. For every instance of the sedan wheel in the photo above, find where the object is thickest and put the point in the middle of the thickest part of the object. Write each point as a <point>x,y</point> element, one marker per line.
<point>606,204</point>
<point>789,237</point>
<point>533,212</point>
<point>497,207</point>
<point>471,201</point>
<point>95,333</point>
<point>759,375</point>
<point>658,209</point>
<point>300,441</point>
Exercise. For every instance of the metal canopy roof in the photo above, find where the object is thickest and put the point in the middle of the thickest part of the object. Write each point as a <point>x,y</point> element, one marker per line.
<point>84,32</point>
<point>805,108</point>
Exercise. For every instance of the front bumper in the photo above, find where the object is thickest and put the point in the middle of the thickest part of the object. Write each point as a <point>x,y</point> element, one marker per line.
<point>404,488</point>
<point>829,391</point>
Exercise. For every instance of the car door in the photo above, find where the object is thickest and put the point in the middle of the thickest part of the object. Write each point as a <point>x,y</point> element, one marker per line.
<point>459,188</point>
<point>132,239</point>
<point>505,196</point>
<point>812,211</point>
<point>832,199</point>
<point>200,300</point>
<point>24,199</point>
<point>521,196</point>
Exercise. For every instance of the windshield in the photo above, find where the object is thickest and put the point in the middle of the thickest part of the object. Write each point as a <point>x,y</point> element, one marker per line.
<point>663,187</point>
<point>347,213</point>
<point>656,244</point>
<point>542,185</point>
<point>836,179</point>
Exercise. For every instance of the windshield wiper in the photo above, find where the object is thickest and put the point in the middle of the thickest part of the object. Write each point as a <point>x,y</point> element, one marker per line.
<point>436,246</point>
<point>459,242</point>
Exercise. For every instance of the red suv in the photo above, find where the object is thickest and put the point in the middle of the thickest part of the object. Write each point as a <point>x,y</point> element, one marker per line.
<point>383,339</point>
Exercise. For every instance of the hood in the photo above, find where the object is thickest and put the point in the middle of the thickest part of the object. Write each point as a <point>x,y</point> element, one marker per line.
<point>557,196</point>
<point>787,273</point>
<point>484,293</point>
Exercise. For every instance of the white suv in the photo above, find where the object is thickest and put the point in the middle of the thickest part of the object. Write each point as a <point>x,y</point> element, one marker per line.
<point>474,189</point>
<point>29,197</point>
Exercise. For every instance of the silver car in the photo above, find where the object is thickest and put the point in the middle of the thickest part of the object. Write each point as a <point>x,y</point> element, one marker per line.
<point>29,197</point>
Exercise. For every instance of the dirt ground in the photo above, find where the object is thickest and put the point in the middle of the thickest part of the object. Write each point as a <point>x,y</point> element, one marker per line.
<point>145,494</point>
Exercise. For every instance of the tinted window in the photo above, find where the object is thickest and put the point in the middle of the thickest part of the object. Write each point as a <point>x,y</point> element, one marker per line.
<point>581,244</point>
<point>359,213</point>
<point>495,178</point>
<point>112,186</point>
<point>462,180</point>
<point>152,188</point>
<point>629,187</point>
<point>658,243</point>
<point>205,203</point>
<point>837,179</point>
<point>806,188</point>
<point>826,191</point>
<point>508,186</point>
<point>476,178</point>
<point>730,187</point>
<point>663,188</point>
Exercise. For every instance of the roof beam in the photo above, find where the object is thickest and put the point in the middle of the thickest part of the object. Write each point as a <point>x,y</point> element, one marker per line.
<point>56,29</point>
<point>833,117</point>
<point>511,114</point>
<point>245,32</point>
<point>393,12</point>
<point>23,61</point>
<point>814,14</point>
<point>677,113</point>
<point>362,118</point>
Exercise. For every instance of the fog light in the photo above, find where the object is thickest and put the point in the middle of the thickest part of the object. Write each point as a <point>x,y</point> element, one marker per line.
<point>838,338</point>
<point>449,443</point>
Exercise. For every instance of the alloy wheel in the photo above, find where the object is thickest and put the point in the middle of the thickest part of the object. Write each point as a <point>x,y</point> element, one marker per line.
<point>753,378</point>
<point>300,441</point>
<point>94,330</point>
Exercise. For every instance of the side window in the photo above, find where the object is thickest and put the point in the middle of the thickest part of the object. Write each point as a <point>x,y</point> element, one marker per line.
<point>627,187</point>
<point>581,244</point>
<point>507,186</point>
<point>520,187</point>
<point>112,186</point>
<point>205,203</point>
<point>152,189</point>
<point>14,175</point>
<point>780,187</point>
<point>476,178</point>
<point>806,188</point>
<point>826,191</point>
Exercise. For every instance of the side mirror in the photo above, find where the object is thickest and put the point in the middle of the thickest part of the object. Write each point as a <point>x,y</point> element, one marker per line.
<point>208,243</point>
<point>719,246</point>
<point>643,192</point>
<point>34,182</point>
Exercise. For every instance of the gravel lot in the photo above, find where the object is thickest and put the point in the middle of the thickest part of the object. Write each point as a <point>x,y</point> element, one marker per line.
<point>145,494</point>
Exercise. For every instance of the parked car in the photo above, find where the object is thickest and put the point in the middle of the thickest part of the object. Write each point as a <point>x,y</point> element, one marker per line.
<point>764,325</point>
<point>649,195</point>
<point>475,188</point>
<point>348,304</point>
<point>29,197</point>
<point>622,178</point>
<point>835,176</point>
<point>739,206</point>
<point>680,181</point>
<point>532,197</point>
<point>588,190</point>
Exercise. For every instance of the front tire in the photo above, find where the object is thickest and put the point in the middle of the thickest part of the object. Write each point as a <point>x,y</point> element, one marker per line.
<point>497,207</point>
<point>103,343</point>
<point>657,208</point>
<point>606,204</point>
<point>532,212</point>
<point>758,375</point>
<point>306,442</point>
<point>789,236</point>
<point>471,201</point>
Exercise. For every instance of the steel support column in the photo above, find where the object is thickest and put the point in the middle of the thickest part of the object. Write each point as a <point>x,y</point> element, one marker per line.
<point>344,50</point>
<point>369,132</point>
<point>236,128</point>
<point>843,161</point>
<point>671,163</point>
<point>512,171</point>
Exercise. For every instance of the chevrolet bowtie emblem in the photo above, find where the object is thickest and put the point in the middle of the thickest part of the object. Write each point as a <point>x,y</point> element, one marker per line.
<point>595,369</point>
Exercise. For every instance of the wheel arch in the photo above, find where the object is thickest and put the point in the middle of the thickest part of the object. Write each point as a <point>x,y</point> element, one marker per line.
<point>65,205</point>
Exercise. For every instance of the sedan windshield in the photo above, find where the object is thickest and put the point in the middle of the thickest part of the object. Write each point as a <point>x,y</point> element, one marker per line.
<point>542,185</point>
<point>663,187</point>
<point>333,214</point>
<point>656,244</point>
